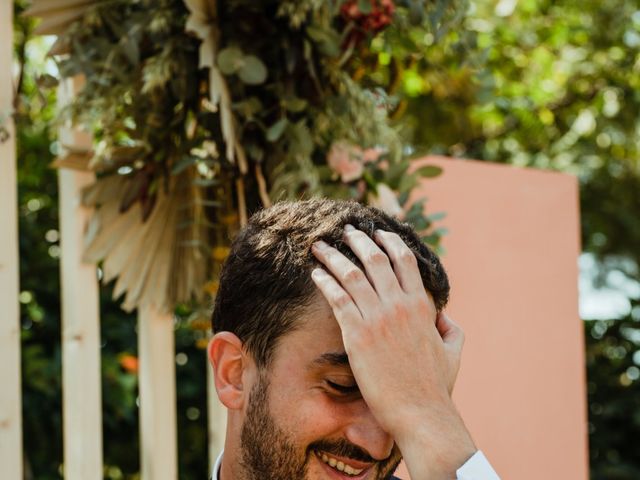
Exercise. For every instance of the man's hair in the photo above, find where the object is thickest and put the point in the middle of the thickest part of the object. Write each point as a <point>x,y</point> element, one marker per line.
<point>265,283</point>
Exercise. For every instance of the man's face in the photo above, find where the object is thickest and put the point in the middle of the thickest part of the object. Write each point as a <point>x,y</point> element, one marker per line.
<point>305,417</point>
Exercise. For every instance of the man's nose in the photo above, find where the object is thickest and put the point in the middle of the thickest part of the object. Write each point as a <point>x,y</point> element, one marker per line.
<point>366,433</point>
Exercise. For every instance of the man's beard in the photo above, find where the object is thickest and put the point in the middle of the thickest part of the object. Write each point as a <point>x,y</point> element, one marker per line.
<point>269,454</point>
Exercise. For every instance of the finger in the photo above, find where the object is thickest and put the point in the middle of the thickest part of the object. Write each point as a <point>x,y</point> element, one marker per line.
<point>351,278</point>
<point>342,305</point>
<point>452,335</point>
<point>405,264</point>
<point>374,260</point>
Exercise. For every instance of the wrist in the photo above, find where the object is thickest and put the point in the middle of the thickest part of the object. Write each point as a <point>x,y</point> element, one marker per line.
<point>436,443</point>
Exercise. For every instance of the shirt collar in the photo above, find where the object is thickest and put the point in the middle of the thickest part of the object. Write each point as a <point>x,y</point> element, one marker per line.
<point>216,467</point>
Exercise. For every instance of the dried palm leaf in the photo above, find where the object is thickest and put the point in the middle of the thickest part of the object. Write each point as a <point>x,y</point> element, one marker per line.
<point>157,262</point>
<point>73,160</point>
<point>57,15</point>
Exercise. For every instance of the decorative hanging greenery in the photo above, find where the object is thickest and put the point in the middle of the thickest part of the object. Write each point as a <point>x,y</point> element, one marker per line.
<point>203,111</point>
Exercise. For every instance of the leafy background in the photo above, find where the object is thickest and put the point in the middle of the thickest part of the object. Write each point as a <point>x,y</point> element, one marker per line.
<point>544,84</point>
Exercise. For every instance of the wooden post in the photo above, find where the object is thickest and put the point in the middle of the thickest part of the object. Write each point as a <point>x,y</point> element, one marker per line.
<point>158,441</point>
<point>82,392</point>
<point>217,419</point>
<point>10,398</point>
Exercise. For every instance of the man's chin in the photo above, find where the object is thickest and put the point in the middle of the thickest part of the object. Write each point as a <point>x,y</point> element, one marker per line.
<point>321,470</point>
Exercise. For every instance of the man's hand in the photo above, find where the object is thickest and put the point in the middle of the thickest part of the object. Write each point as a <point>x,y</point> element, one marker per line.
<point>404,355</point>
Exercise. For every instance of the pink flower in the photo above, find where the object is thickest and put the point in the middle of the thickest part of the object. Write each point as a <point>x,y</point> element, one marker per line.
<point>346,160</point>
<point>372,154</point>
<point>386,200</point>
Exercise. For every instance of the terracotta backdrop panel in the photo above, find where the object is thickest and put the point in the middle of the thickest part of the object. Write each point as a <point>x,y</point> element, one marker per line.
<point>511,253</point>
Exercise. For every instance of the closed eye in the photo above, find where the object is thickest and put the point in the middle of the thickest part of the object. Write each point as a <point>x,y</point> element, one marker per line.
<point>343,389</point>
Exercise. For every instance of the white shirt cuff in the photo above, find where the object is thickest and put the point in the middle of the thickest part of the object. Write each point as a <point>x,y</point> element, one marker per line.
<point>477,468</point>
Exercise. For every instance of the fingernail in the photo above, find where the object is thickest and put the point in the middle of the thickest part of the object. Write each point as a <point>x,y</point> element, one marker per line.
<point>320,245</point>
<point>349,228</point>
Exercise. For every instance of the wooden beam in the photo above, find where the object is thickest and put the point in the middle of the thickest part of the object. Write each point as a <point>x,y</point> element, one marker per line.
<point>156,350</point>
<point>10,398</point>
<point>82,391</point>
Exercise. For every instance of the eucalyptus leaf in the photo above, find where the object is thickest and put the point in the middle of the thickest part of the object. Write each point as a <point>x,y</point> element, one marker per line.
<point>432,239</point>
<point>407,183</point>
<point>253,71</point>
<point>255,152</point>
<point>327,39</point>
<point>402,198</point>
<point>230,60</point>
<point>365,6</point>
<point>395,173</point>
<point>429,171</point>
<point>415,210</point>
<point>131,50</point>
<point>276,130</point>
<point>184,163</point>
<point>206,182</point>
<point>295,104</point>
<point>302,141</point>
<point>249,107</point>
<point>420,223</point>
<point>434,217</point>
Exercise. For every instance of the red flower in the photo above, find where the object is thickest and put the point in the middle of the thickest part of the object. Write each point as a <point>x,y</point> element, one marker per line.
<point>377,19</point>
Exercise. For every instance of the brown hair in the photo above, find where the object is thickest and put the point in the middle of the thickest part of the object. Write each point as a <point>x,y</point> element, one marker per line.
<point>265,284</point>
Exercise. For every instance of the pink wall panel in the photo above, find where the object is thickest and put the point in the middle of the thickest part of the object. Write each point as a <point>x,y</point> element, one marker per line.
<point>511,254</point>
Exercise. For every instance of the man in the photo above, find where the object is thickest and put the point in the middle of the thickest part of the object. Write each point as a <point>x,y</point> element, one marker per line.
<point>332,354</point>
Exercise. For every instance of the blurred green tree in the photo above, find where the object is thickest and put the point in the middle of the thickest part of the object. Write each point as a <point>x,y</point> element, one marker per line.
<point>614,396</point>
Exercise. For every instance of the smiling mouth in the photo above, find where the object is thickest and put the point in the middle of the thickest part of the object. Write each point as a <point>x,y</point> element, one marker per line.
<point>339,465</point>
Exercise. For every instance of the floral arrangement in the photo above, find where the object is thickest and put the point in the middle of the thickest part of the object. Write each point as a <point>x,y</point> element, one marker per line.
<point>203,111</point>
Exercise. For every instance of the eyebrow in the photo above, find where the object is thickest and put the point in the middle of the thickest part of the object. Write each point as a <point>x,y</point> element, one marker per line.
<point>333,359</point>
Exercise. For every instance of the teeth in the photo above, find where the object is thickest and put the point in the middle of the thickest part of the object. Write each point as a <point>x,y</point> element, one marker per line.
<point>338,465</point>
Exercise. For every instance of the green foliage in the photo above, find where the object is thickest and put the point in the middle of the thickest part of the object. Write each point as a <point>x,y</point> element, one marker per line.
<point>150,104</point>
<point>613,362</point>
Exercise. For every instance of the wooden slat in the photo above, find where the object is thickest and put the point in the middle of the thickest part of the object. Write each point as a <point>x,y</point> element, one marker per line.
<point>156,350</point>
<point>217,419</point>
<point>10,398</point>
<point>82,400</point>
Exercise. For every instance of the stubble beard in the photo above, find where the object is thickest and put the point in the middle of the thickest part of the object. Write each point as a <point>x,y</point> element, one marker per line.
<point>269,454</point>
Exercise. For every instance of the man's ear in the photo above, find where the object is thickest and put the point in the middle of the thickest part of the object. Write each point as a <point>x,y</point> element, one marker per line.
<point>229,362</point>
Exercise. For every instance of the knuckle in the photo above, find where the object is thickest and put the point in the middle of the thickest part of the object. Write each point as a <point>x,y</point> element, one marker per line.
<point>353,275</point>
<point>341,300</point>
<point>407,257</point>
<point>376,257</point>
